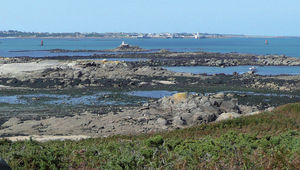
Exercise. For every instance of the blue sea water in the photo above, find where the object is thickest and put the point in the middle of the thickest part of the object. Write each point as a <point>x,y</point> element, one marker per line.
<point>280,46</point>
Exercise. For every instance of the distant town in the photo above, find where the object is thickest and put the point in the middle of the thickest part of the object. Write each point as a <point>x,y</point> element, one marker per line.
<point>20,34</point>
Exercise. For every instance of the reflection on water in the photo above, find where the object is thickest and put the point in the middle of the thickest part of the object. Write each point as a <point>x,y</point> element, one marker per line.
<point>262,70</point>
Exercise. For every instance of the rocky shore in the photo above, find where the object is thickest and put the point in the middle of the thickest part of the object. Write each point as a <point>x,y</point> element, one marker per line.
<point>121,48</point>
<point>166,58</point>
<point>214,59</point>
<point>62,74</point>
<point>178,111</point>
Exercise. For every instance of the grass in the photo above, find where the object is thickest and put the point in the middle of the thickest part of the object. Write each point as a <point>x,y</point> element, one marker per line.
<point>267,141</point>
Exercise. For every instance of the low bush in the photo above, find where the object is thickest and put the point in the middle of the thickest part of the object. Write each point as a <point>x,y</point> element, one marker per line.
<point>265,141</point>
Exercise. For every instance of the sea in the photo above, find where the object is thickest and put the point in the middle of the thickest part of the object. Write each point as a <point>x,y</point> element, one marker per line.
<point>276,46</point>
<point>11,47</point>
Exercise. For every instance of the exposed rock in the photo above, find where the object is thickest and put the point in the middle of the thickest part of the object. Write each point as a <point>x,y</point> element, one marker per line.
<point>187,117</point>
<point>270,109</point>
<point>201,117</point>
<point>178,121</point>
<point>177,111</point>
<point>178,97</point>
<point>142,119</point>
<point>229,106</point>
<point>161,122</point>
<point>247,109</point>
<point>4,165</point>
<point>225,116</point>
<point>11,122</point>
<point>164,82</point>
<point>253,113</point>
<point>219,95</point>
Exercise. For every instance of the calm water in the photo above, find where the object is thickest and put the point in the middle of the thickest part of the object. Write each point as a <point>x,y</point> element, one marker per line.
<point>101,98</point>
<point>105,98</point>
<point>286,46</point>
<point>119,59</point>
<point>262,70</point>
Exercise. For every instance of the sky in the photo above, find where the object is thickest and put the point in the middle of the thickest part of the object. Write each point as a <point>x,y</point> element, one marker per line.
<point>250,17</point>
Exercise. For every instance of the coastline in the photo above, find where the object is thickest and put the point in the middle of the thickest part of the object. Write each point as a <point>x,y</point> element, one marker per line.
<point>70,76</point>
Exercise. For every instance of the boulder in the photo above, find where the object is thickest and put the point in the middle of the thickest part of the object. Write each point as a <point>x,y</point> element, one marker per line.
<point>247,109</point>
<point>161,122</point>
<point>142,119</point>
<point>253,113</point>
<point>207,104</point>
<point>225,116</point>
<point>229,106</point>
<point>4,165</point>
<point>203,117</point>
<point>219,95</point>
<point>178,121</point>
<point>211,109</point>
<point>179,97</point>
<point>187,117</point>
<point>216,102</point>
<point>204,99</point>
<point>194,109</point>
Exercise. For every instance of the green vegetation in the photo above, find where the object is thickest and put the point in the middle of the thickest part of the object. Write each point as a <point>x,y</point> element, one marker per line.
<point>266,141</point>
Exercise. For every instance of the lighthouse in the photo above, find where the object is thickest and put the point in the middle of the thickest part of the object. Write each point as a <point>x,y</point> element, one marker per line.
<point>197,36</point>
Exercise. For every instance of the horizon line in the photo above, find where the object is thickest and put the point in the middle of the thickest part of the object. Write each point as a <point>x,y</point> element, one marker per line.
<point>121,32</point>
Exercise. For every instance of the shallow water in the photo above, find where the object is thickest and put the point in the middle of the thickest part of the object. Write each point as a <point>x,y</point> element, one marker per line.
<point>261,70</point>
<point>152,94</point>
<point>107,98</point>
<point>11,100</point>
<point>100,98</point>
<point>259,94</point>
<point>119,59</point>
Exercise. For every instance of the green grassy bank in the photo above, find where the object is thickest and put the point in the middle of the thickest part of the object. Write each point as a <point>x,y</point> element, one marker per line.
<point>266,141</point>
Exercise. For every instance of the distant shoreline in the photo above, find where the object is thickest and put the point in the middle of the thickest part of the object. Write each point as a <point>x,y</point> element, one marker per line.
<point>133,35</point>
<point>146,38</point>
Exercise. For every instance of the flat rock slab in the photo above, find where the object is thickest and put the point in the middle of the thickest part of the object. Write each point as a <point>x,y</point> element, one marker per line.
<point>18,68</point>
<point>46,138</point>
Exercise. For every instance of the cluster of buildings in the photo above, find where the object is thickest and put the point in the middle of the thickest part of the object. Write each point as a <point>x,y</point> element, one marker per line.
<point>13,33</point>
<point>179,35</point>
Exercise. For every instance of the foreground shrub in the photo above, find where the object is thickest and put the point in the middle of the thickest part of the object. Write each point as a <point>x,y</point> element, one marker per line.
<point>266,141</point>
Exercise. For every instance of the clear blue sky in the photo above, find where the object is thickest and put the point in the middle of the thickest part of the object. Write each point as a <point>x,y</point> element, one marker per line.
<point>253,17</point>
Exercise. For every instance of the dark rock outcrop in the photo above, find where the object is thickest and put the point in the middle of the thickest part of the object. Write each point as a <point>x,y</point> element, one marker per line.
<point>4,165</point>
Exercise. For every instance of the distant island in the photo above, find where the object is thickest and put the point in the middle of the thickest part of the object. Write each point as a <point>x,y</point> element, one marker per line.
<point>117,35</point>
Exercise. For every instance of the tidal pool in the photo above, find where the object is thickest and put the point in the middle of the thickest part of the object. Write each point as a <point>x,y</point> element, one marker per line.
<point>106,98</point>
<point>261,70</point>
<point>98,98</point>
<point>119,59</point>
